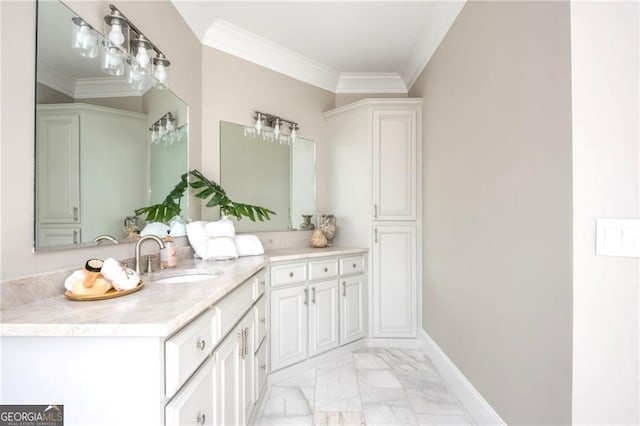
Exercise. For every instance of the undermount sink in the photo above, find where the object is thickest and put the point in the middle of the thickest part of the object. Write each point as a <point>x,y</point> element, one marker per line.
<point>187,278</point>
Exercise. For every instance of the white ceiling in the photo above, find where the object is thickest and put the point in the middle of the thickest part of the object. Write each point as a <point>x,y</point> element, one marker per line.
<point>344,47</point>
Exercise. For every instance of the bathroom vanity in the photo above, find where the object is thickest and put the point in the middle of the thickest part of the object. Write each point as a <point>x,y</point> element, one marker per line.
<point>182,352</point>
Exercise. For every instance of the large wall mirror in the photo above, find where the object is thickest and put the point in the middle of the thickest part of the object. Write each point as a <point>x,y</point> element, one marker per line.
<point>97,158</point>
<point>266,172</point>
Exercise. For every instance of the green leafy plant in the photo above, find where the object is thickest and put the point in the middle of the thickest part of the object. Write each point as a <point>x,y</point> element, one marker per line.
<point>205,189</point>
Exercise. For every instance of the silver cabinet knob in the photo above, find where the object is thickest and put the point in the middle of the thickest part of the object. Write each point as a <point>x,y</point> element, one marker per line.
<point>201,419</point>
<point>201,344</point>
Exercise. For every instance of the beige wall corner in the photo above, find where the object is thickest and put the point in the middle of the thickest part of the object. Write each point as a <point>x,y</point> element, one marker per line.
<point>497,286</point>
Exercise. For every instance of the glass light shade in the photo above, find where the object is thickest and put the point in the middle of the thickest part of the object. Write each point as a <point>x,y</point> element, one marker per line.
<point>142,51</point>
<point>294,132</point>
<point>113,61</point>
<point>276,128</point>
<point>117,29</point>
<point>160,64</point>
<point>136,78</point>
<point>84,39</point>
<point>258,123</point>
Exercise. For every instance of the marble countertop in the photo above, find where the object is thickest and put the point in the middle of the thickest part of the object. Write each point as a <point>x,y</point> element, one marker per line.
<point>156,309</point>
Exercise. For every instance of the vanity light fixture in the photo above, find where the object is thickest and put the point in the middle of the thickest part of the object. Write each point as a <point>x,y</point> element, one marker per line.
<point>84,39</point>
<point>164,129</point>
<point>143,57</point>
<point>264,120</point>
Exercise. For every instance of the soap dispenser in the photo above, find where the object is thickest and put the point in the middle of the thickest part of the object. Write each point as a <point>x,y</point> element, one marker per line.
<point>169,254</point>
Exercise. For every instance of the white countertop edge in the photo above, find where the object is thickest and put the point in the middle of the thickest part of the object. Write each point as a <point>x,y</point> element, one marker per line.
<point>21,320</point>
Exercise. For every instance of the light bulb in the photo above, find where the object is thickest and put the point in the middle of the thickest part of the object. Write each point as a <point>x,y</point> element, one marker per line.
<point>276,128</point>
<point>258,123</point>
<point>142,57</point>
<point>115,35</point>
<point>160,73</point>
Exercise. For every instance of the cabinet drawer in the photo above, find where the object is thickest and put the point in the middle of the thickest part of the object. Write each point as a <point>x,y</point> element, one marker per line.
<point>290,273</point>
<point>259,284</point>
<point>186,350</point>
<point>321,269</point>
<point>233,307</point>
<point>194,404</point>
<point>261,321</point>
<point>260,369</point>
<point>351,265</point>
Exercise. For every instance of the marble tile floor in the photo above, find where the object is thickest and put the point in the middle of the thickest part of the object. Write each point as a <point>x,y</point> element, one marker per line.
<point>373,386</point>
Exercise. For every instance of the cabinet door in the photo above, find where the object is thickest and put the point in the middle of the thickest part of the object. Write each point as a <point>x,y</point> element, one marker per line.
<point>288,310</point>
<point>394,164</point>
<point>58,169</point>
<point>58,235</point>
<point>247,328</point>
<point>351,309</point>
<point>230,379</point>
<point>194,405</point>
<point>323,317</point>
<point>394,298</point>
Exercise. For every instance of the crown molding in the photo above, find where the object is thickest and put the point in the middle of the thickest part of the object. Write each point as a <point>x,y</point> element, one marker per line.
<point>50,76</point>
<point>246,45</point>
<point>439,20</point>
<point>370,83</point>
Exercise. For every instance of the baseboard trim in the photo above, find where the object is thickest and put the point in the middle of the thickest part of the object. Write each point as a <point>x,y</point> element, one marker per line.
<point>476,405</point>
<point>377,342</point>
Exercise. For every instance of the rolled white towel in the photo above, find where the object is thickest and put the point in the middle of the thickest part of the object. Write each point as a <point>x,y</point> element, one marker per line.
<point>197,238</point>
<point>248,245</point>
<point>221,228</point>
<point>221,248</point>
<point>75,276</point>
<point>123,278</point>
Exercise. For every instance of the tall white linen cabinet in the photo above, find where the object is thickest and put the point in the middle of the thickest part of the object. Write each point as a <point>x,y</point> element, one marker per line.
<point>374,187</point>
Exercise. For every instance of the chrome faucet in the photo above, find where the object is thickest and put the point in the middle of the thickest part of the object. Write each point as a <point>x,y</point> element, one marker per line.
<point>139,243</point>
<point>105,237</point>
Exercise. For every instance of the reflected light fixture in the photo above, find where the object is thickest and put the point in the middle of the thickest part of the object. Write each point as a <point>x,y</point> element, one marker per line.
<point>264,120</point>
<point>84,39</point>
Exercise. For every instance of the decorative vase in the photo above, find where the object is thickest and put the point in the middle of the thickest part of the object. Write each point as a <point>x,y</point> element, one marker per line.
<point>318,239</point>
<point>327,224</point>
<point>307,225</point>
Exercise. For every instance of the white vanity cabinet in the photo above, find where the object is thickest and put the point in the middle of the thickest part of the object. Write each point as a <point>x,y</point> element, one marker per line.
<point>374,147</point>
<point>307,312</point>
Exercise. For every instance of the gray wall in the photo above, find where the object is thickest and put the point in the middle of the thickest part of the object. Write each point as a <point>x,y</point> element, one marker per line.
<point>497,241</point>
<point>605,72</point>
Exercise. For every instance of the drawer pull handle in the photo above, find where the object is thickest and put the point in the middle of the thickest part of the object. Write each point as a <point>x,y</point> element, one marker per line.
<point>313,298</point>
<point>201,419</point>
<point>306,296</point>
<point>201,344</point>
<point>241,349</point>
<point>344,289</point>
<point>326,269</point>
<point>354,265</point>
<point>263,320</point>
<point>263,366</point>
<point>290,274</point>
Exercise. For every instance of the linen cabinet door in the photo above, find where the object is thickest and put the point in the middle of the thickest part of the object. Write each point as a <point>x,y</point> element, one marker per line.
<point>288,333</point>
<point>394,299</point>
<point>351,309</point>
<point>323,317</point>
<point>395,164</point>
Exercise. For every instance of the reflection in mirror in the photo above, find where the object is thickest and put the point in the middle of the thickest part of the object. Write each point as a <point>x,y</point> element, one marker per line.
<point>278,176</point>
<point>98,154</point>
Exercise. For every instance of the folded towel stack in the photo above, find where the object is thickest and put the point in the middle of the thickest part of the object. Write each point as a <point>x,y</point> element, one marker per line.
<point>218,241</point>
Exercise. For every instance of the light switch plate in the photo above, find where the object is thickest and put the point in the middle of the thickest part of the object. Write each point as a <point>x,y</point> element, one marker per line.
<point>618,237</point>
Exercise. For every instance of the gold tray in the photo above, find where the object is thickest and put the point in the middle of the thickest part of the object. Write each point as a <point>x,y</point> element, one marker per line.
<point>108,295</point>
